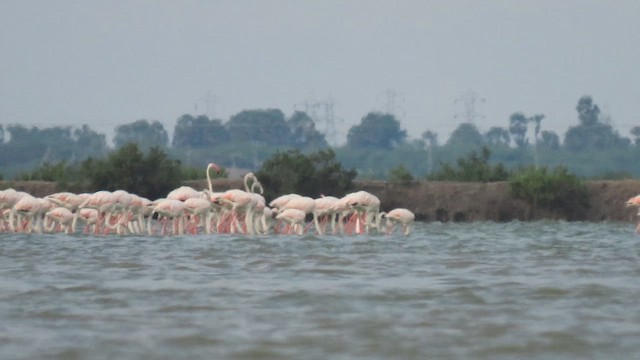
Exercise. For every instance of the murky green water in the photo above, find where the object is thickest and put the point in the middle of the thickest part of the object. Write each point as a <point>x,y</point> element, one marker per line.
<point>449,291</point>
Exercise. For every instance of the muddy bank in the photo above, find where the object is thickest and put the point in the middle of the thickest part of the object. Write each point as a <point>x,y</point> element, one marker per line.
<point>456,201</point>
<point>450,201</point>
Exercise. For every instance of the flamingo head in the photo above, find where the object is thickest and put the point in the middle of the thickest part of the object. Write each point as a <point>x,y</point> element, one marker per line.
<point>213,166</point>
<point>634,201</point>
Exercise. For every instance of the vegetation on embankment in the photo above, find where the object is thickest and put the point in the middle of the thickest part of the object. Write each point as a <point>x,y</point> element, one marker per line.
<point>471,190</point>
<point>448,201</point>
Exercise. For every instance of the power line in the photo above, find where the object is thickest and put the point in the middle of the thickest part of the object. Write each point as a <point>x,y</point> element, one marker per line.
<point>323,113</point>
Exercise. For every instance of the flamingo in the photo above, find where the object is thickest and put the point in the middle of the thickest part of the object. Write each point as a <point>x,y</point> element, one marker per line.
<point>399,215</point>
<point>198,209</point>
<point>210,167</point>
<point>635,201</point>
<point>342,209</point>
<point>260,215</point>
<point>90,218</point>
<point>281,201</point>
<point>239,201</point>
<point>171,209</point>
<point>60,217</point>
<point>294,201</point>
<point>356,206</point>
<point>139,208</point>
<point>8,198</point>
<point>103,201</point>
<point>368,205</point>
<point>294,218</point>
<point>323,210</point>
<point>68,200</point>
<point>183,193</point>
<point>28,210</point>
<point>218,210</point>
<point>121,210</point>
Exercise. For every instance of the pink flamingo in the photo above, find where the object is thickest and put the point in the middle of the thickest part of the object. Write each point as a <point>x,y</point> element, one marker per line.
<point>367,206</point>
<point>68,200</point>
<point>120,212</point>
<point>104,202</point>
<point>357,207</point>
<point>198,210</point>
<point>210,167</point>
<point>88,216</point>
<point>183,193</point>
<point>342,210</point>
<point>28,210</point>
<point>293,201</point>
<point>139,208</point>
<point>323,212</point>
<point>294,218</point>
<point>170,209</point>
<point>240,202</point>
<point>635,201</point>
<point>281,201</point>
<point>60,217</point>
<point>260,213</point>
<point>401,216</point>
<point>8,198</point>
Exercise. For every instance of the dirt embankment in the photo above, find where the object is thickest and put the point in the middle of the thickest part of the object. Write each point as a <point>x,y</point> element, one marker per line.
<point>450,201</point>
<point>455,201</point>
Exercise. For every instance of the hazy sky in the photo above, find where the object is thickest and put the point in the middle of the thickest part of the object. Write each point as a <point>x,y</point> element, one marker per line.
<point>106,63</point>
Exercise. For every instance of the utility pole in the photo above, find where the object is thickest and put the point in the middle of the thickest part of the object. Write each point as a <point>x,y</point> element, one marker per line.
<point>209,102</point>
<point>393,103</point>
<point>322,113</point>
<point>469,100</point>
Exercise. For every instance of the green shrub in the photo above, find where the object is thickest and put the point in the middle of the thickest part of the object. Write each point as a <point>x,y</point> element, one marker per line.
<point>473,168</point>
<point>308,175</point>
<point>555,190</point>
<point>400,174</point>
<point>152,175</point>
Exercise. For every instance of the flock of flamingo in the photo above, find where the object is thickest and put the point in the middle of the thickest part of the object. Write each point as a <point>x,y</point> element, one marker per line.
<point>188,211</point>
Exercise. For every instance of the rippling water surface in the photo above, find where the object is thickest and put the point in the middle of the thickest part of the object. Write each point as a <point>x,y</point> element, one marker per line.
<point>448,291</point>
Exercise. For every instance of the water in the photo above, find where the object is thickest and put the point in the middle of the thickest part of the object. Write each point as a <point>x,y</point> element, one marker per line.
<point>448,291</point>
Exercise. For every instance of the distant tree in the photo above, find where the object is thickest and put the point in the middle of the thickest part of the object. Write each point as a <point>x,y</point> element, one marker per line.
<point>430,137</point>
<point>518,125</point>
<point>466,136</point>
<point>261,126</point>
<point>142,132</point>
<point>588,112</point>
<point>1,134</point>
<point>431,142</point>
<point>536,119</point>
<point>376,130</point>
<point>549,140</point>
<point>497,136</point>
<point>199,132</point>
<point>41,145</point>
<point>89,143</point>
<point>596,136</point>
<point>304,133</point>
<point>635,131</point>
<point>591,133</point>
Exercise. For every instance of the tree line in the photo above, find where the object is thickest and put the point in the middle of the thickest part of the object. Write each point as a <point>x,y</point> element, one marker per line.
<point>376,148</point>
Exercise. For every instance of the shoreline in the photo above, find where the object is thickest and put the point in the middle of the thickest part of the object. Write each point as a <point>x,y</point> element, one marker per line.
<point>447,201</point>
